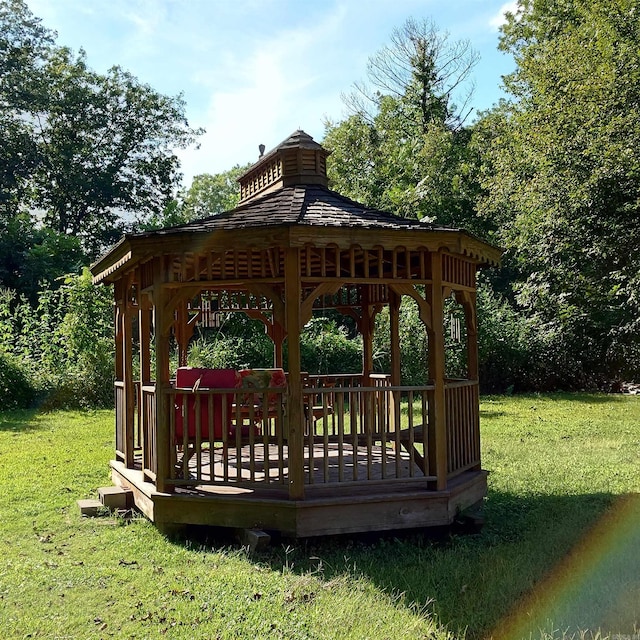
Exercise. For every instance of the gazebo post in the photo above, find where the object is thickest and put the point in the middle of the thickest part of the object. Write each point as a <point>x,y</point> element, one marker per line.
<point>470,309</point>
<point>366,325</point>
<point>278,336</point>
<point>471,318</point>
<point>395,300</point>
<point>145,309</point>
<point>295,413</point>
<point>394,328</point>
<point>161,343</point>
<point>144,324</point>
<point>437,372</point>
<point>124,371</point>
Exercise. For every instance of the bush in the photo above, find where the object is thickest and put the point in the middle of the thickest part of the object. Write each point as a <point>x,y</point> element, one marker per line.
<point>520,353</point>
<point>65,344</point>
<point>325,348</point>
<point>231,352</point>
<point>16,389</point>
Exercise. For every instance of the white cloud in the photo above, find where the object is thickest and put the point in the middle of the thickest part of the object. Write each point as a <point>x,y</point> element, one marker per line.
<point>499,18</point>
<point>281,84</point>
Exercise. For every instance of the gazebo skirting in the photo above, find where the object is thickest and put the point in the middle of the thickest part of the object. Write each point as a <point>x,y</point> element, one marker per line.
<point>364,459</point>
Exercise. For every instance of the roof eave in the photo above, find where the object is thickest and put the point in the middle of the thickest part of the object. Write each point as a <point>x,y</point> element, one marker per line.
<point>113,261</point>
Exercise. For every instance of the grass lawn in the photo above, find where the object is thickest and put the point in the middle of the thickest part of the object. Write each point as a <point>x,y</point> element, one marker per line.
<point>558,553</point>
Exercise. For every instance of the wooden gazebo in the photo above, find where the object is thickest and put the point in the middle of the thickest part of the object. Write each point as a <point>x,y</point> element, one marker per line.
<point>298,453</point>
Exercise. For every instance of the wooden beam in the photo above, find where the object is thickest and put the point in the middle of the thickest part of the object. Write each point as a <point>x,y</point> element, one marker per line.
<point>127,371</point>
<point>469,304</point>
<point>424,308</point>
<point>295,413</point>
<point>325,288</point>
<point>161,343</point>
<point>438,430</point>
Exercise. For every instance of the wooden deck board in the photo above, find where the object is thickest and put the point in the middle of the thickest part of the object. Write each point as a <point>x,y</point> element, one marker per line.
<point>322,465</point>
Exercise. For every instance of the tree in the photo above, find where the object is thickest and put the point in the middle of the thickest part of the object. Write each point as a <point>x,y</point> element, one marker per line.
<point>33,256</point>
<point>404,148</point>
<point>562,170</point>
<point>210,194</point>
<point>101,146</point>
<point>422,71</point>
<point>24,44</point>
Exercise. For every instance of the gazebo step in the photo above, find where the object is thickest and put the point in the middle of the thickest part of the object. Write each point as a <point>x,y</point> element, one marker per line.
<point>89,507</point>
<point>115,498</point>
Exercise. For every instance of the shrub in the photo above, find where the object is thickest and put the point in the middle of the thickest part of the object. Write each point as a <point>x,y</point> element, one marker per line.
<point>325,348</point>
<point>16,389</point>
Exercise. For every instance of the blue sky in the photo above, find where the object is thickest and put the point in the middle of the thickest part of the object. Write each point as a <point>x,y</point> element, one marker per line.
<point>254,71</point>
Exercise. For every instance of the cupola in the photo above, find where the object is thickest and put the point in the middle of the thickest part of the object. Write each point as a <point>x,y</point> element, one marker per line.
<point>298,160</point>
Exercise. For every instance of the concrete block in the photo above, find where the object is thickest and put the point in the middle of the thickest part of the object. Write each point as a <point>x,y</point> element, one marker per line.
<point>90,507</point>
<point>254,539</point>
<point>115,497</point>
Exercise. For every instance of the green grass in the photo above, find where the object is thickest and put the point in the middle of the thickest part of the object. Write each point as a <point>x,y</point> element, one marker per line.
<point>558,553</point>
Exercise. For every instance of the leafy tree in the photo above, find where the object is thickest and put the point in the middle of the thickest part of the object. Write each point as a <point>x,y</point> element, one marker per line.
<point>95,146</point>
<point>24,44</point>
<point>33,256</point>
<point>562,170</point>
<point>210,194</point>
<point>404,148</point>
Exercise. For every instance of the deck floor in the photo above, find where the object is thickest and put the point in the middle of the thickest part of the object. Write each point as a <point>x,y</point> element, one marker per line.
<point>324,463</point>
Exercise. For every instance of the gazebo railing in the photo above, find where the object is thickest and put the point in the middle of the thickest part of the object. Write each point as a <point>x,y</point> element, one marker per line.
<point>352,435</point>
<point>357,435</point>
<point>463,426</point>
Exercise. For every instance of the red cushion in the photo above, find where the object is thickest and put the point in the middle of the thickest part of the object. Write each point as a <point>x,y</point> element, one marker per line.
<point>187,377</point>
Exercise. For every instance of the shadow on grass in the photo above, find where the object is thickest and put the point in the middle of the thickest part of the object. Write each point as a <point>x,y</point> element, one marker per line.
<point>19,420</point>
<point>471,582</point>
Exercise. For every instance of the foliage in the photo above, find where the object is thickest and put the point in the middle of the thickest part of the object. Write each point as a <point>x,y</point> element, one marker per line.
<point>563,473</point>
<point>326,348</point>
<point>404,148</point>
<point>16,389</point>
<point>561,167</point>
<point>34,256</point>
<point>414,345</point>
<point>65,342</point>
<point>211,194</point>
<point>99,145</point>
<point>208,195</point>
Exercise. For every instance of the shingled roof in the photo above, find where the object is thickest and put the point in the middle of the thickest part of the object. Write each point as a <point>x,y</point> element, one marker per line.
<point>286,188</point>
<point>308,205</point>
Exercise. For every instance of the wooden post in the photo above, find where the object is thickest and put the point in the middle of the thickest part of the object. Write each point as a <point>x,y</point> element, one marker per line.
<point>162,326</point>
<point>144,329</point>
<point>127,371</point>
<point>394,329</point>
<point>123,372</point>
<point>470,309</point>
<point>438,427</point>
<point>366,326</point>
<point>278,340</point>
<point>295,413</point>
<point>144,324</point>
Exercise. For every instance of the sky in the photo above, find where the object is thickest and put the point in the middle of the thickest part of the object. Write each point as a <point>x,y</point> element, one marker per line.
<point>253,71</point>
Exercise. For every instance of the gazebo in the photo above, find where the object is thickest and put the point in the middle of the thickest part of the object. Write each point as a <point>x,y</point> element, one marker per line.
<point>282,449</point>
